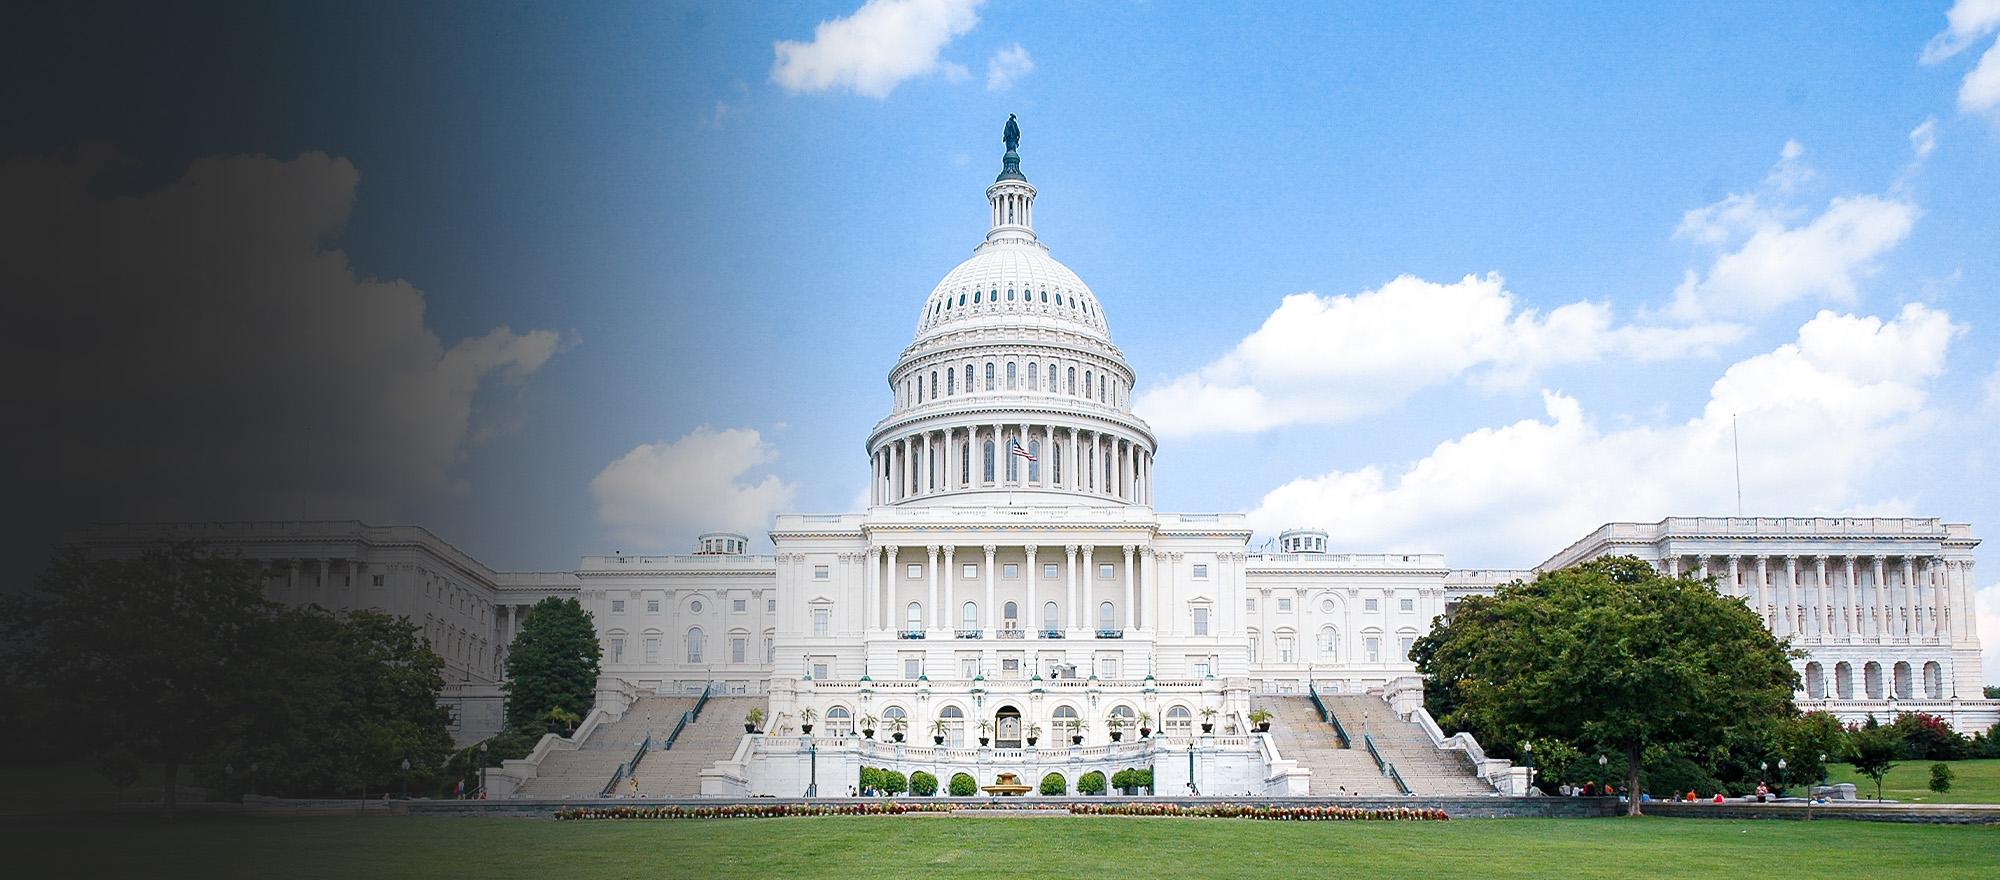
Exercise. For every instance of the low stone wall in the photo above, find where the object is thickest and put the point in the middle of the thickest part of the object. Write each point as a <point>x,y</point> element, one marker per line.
<point>1457,808</point>
<point>1940,814</point>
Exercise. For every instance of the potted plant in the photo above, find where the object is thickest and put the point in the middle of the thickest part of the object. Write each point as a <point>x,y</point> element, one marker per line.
<point>1076,729</point>
<point>1262,718</point>
<point>1034,733</point>
<point>868,725</point>
<point>938,727</point>
<point>753,718</point>
<point>985,731</point>
<point>807,716</point>
<point>1145,724</point>
<point>1208,720</point>
<point>897,726</point>
<point>1116,725</point>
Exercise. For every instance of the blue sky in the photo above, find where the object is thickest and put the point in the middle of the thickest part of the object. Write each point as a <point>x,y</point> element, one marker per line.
<point>1614,226</point>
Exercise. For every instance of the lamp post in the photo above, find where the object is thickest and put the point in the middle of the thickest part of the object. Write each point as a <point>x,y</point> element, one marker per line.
<point>1601,762</point>
<point>1192,790</point>
<point>812,753</point>
<point>1528,748</point>
<point>1781,775</point>
<point>406,779</point>
<point>482,770</point>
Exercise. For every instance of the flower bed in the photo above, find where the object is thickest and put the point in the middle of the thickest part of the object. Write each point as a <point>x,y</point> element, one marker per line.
<point>756,811</point>
<point>1281,814</point>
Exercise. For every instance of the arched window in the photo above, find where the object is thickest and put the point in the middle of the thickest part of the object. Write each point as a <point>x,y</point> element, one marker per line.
<point>1105,616</point>
<point>1034,377</point>
<point>969,616</point>
<point>1179,721</point>
<point>1329,643</point>
<point>1052,379</point>
<point>1011,613</point>
<point>1064,714</point>
<point>961,299</point>
<point>976,295</point>
<point>1035,463</point>
<point>913,617</point>
<point>920,389</point>
<point>771,646</point>
<point>1933,681</point>
<point>1049,623</point>
<point>1045,297</point>
<point>1010,291</point>
<point>1843,680</point>
<point>950,382</point>
<point>1815,681</point>
<point>1871,679</point>
<point>965,463</point>
<point>989,461</point>
<point>933,384</point>
<point>1904,687</point>
<point>1100,389</point>
<point>1072,380</point>
<point>694,644</point>
<point>839,722</point>
<point>1086,383</point>
<point>1011,375</point>
<point>968,379</point>
<point>894,712</point>
<point>1107,470</point>
<point>954,726</point>
<point>989,375</point>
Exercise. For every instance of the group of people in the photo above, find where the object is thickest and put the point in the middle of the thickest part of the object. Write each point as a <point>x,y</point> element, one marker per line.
<point>1588,789</point>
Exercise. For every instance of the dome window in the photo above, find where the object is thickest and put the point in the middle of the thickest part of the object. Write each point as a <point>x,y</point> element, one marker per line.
<point>975,296</point>
<point>1045,297</point>
<point>961,299</point>
<point>1010,294</point>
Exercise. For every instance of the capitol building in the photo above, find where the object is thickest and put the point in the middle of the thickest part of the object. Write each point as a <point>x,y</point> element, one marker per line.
<point>1012,602</point>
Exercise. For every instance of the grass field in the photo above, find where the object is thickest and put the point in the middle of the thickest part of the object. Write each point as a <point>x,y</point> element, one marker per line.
<point>1974,782</point>
<point>944,847</point>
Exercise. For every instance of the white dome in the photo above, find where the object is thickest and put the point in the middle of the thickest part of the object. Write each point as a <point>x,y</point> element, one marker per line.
<point>1008,281</point>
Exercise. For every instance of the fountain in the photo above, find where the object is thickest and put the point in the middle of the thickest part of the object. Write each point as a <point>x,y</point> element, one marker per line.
<point>1007,785</point>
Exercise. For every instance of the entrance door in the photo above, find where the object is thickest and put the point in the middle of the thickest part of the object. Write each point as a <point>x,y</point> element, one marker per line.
<point>1007,728</point>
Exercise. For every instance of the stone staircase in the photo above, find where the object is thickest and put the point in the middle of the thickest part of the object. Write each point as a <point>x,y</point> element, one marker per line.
<point>583,771</point>
<point>676,772</point>
<point>1300,736</point>
<point>1425,768</point>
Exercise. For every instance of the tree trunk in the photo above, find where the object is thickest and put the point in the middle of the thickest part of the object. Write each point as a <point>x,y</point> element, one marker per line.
<point>167,795</point>
<point>1632,750</point>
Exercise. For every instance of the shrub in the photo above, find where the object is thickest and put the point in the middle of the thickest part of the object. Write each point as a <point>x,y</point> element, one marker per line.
<point>963,785</point>
<point>1940,778</point>
<point>894,782</point>
<point>1927,737</point>
<point>1055,784</point>
<point>1091,783</point>
<point>923,784</point>
<point>871,778</point>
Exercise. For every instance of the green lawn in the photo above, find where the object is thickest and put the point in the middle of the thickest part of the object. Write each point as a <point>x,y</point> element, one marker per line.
<point>943,847</point>
<point>1975,782</point>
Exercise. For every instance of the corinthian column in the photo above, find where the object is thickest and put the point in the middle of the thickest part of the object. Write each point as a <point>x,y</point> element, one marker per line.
<point>1033,613</point>
<point>1131,621</point>
<point>936,615</point>
<point>986,614</point>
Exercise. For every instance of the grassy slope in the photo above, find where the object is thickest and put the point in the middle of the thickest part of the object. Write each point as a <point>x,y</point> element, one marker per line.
<point>1975,782</point>
<point>933,847</point>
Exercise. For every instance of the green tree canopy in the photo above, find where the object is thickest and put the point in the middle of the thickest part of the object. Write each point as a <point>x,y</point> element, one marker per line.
<point>1608,653</point>
<point>552,664</point>
<point>146,657</point>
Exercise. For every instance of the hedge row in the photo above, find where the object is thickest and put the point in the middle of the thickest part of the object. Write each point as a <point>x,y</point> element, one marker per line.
<point>1283,814</point>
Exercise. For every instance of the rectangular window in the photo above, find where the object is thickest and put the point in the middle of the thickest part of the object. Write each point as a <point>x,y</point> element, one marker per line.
<point>1201,571</point>
<point>1201,621</point>
<point>968,668</point>
<point>378,580</point>
<point>1284,604</point>
<point>1371,605</point>
<point>971,571</point>
<point>738,649</point>
<point>821,572</point>
<point>652,606</point>
<point>617,650</point>
<point>739,605</point>
<point>913,668</point>
<point>1106,571</point>
<point>1409,604</point>
<point>618,606</point>
<point>1253,650</point>
<point>1250,604</point>
<point>915,571</point>
<point>652,649</point>
<point>819,669</point>
<point>1010,668</point>
<point>821,618</point>
<point>1406,643</point>
<point>1374,649</point>
<point>771,605</point>
<point>1010,570</point>
<point>1049,570</point>
<point>1201,669</point>
<point>1107,668</point>
<point>1284,650</point>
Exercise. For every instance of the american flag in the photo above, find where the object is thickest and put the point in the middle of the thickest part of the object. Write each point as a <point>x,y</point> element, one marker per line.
<point>1015,447</point>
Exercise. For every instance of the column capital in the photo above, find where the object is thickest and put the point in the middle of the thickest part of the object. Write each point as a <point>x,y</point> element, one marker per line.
<point>990,550</point>
<point>1069,549</point>
<point>1031,548</point>
<point>932,549</point>
<point>1130,549</point>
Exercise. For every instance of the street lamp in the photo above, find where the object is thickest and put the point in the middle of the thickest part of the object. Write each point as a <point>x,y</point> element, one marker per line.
<point>1192,790</point>
<point>1528,748</point>
<point>812,752</point>
<point>1781,774</point>
<point>406,779</point>
<point>482,769</point>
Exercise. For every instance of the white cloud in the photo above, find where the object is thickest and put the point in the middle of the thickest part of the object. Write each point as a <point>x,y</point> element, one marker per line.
<point>1007,66</point>
<point>202,349</point>
<point>1818,415</point>
<point>1771,259</point>
<point>881,45</point>
<point>1923,139</point>
<point>1967,23</point>
<point>662,494</point>
<point>1329,359</point>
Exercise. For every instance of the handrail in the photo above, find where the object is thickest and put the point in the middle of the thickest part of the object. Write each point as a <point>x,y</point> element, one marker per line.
<point>1326,715</point>
<point>611,788</point>
<point>640,754</point>
<point>688,717</point>
<point>1369,741</point>
<point>1398,778</point>
<point>1319,705</point>
<point>695,714</point>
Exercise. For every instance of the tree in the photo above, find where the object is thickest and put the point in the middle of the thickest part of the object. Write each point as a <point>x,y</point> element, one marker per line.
<point>146,658</point>
<point>1054,784</point>
<point>963,785</point>
<point>1090,783</point>
<point>893,782</point>
<point>551,664</point>
<point>1941,778</point>
<point>1993,692</point>
<point>1873,751</point>
<point>1608,653</point>
<point>923,784</point>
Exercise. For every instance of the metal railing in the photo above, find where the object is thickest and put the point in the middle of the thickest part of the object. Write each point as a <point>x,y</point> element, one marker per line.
<point>1398,779</point>
<point>1110,633</point>
<point>687,718</point>
<point>1052,633</point>
<point>967,633</point>
<point>909,634</point>
<point>1326,715</point>
<point>611,788</point>
<point>1369,741</point>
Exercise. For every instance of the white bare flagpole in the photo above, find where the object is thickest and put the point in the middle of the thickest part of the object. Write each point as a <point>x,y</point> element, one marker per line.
<point>1736,446</point>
